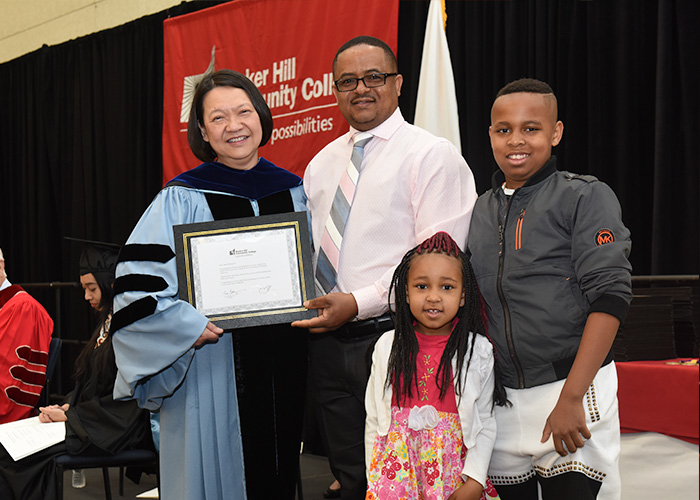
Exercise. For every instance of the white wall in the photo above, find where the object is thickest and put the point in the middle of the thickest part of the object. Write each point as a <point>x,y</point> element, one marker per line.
<point>26,25</point>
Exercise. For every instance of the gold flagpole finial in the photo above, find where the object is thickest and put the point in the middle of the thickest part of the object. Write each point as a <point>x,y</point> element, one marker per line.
<point>444,15</point>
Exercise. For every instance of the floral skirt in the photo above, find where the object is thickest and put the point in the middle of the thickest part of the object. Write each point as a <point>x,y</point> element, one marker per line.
<point>423,464</point>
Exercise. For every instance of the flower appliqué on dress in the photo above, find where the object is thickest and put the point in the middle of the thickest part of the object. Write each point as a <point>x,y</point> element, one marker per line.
<point>423,381</point>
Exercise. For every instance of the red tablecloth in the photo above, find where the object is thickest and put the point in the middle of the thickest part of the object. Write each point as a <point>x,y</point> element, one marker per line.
<point>655,396</point>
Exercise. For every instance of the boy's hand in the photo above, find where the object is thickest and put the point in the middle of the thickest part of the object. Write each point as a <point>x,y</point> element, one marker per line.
<point>567,424</point>
<point>471,490</point>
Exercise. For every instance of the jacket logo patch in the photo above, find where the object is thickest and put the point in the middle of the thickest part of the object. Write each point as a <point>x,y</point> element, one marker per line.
<point>604,236</point>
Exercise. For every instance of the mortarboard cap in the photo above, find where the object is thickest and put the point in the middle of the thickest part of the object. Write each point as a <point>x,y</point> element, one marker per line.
<point>97,256</point>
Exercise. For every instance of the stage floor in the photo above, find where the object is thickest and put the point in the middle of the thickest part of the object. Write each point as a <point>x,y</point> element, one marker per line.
<point>315,477</point>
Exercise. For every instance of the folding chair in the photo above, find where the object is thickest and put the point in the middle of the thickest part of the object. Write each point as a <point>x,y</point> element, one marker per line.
<point>126,458</point>
<point>54,355</point>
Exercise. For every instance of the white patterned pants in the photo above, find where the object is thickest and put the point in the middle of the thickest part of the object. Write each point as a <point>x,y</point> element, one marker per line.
<point>519,456</point>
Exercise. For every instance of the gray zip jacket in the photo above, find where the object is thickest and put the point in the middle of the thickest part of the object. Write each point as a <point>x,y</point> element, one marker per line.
<point>545,258</point>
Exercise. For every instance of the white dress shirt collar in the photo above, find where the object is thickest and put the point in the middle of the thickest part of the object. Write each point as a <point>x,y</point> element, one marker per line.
<point>385,129</point>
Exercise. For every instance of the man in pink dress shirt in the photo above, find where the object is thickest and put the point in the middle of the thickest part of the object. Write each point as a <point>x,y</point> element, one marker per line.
<point>411,185</point>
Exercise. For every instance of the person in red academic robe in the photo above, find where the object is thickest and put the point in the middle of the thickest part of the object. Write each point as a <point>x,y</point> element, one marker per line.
<point>25,335</point>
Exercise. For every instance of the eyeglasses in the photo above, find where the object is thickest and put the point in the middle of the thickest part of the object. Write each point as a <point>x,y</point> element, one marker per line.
<point>372,80</point>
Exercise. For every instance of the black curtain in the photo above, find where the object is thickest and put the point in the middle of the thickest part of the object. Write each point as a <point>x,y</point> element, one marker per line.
<point>80,156</point>
<point>80,147</point>
<point>80,143</point>
<point>627,77</point>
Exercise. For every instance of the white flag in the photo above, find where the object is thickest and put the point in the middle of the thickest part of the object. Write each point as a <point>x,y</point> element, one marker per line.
<point>436,104</point>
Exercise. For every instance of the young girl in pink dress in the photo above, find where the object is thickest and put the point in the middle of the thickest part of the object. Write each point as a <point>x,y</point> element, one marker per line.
<point>430,428</point>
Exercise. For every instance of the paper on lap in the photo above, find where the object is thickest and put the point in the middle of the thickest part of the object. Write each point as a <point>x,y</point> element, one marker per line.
<point>25,437</point>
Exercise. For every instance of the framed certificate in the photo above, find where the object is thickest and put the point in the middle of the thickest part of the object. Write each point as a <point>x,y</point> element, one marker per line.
<point>246,272</point>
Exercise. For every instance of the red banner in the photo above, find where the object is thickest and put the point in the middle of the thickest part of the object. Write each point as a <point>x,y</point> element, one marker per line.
<point>286,47</point>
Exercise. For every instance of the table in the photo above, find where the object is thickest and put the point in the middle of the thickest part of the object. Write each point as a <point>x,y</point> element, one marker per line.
<point>659,419</point>
<point>656,396</point>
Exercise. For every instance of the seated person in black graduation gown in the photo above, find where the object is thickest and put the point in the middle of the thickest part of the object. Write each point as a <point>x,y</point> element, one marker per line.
<point>95,422</point>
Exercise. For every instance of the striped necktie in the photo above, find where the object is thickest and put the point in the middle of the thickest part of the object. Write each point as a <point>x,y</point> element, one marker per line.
<point>332,239</point>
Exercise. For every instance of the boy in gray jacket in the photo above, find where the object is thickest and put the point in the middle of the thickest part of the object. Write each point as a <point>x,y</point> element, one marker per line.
<point>549,250</point>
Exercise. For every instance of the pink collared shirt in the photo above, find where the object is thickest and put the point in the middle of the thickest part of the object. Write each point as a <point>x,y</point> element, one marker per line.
<point>411,185</point>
